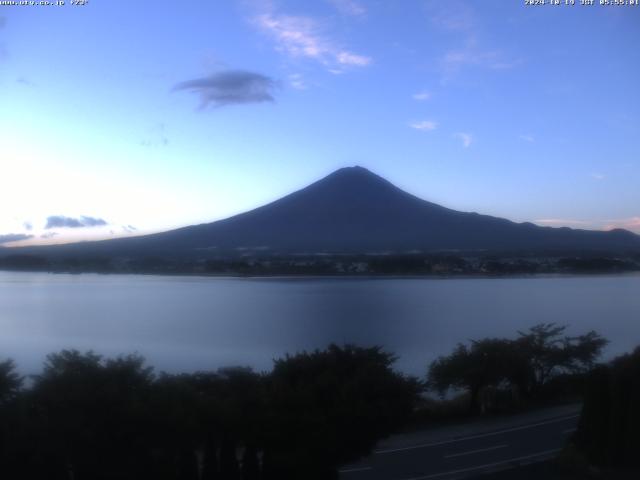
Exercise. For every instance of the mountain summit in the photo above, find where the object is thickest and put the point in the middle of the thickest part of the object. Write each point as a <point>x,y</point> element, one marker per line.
<point>355,210</point>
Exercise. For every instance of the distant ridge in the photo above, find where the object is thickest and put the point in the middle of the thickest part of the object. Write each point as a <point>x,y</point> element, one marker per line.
<point>353,210</point>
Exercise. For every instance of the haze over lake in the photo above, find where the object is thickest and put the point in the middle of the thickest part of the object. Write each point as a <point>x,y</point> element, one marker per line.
<point>194,323</point>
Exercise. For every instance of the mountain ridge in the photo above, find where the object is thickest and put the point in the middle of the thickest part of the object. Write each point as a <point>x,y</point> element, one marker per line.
<point>353,210</point>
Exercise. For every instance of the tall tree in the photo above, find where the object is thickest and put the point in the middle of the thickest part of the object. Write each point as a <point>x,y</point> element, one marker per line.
<point>330,407</point>
<point>549,351</point>
<point>484,363</point>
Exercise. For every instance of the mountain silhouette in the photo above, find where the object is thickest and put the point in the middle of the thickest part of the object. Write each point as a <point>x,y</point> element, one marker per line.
<point>355,210</point>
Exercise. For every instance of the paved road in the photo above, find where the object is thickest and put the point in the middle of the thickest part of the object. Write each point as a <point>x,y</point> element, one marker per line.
<point>445,455</point>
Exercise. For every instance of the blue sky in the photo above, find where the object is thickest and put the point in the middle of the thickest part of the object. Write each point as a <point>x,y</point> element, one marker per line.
<point>146,117</point>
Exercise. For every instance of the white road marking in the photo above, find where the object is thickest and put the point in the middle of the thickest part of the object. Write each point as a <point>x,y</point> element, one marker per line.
<point>487,465</point>
<point>470,452</point>
<point>472,437</point>
<point>357,469</point>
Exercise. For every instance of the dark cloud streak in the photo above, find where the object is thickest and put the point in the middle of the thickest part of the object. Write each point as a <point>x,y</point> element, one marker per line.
<point>231,87</point>
<point>93,222</point>
<point>14,237</point>
<point>60,221</point>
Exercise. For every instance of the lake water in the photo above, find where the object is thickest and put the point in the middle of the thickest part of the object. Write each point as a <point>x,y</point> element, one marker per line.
<point>191,323</point>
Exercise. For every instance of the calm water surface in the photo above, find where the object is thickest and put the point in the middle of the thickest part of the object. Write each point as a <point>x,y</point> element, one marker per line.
<point>190,323</point>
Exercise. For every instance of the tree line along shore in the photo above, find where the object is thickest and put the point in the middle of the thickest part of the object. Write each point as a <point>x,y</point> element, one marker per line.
<point>255,264</point>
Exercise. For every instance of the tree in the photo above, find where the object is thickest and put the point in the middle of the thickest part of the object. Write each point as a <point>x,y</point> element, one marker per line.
<point>10,388</point>
<point>525,364</point>
<point>610,421</point>
<point>90,416</point>
<point>10,381</point>
<point>484,363</point>
<point>550,352</point>
<point>330,407</point>
<point>214,414</point>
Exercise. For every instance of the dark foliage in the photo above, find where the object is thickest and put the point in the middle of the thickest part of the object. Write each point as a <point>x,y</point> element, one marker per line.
<point>524,366</point>
<point>610,421</point>
<point>331,407</point>
<point>598,264</point>
<point>87,417</point>
<point>10,381</point>
<point>24,262</point>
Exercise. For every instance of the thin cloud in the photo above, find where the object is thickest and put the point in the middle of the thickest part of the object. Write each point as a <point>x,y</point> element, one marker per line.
<point>527,138</point>
<point>14,237</point>
<point>296,80</point>
<point>231,87</point>
<point>632,224</point>
<point>422,96</point>
<point>60,221</point>
<point>27,226</point>
<point>471,56</point>
<point>465,138</point>
<point>49,235</point>
<point>348,58</point>
<point>451,15</point>
<point>597,176</point>
<point>505,64</point>
<point>459,17</point>
<point>302,37</point>
<point>424,125</point>
<point>561,221</point>
<point>349,7</point>
<point>295,35</point>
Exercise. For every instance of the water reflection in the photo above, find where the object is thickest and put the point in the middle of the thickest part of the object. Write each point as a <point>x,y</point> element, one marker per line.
<point>189,323</point>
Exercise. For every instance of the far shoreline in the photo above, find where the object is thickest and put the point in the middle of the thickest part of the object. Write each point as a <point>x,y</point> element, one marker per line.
<point>346,276</point>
